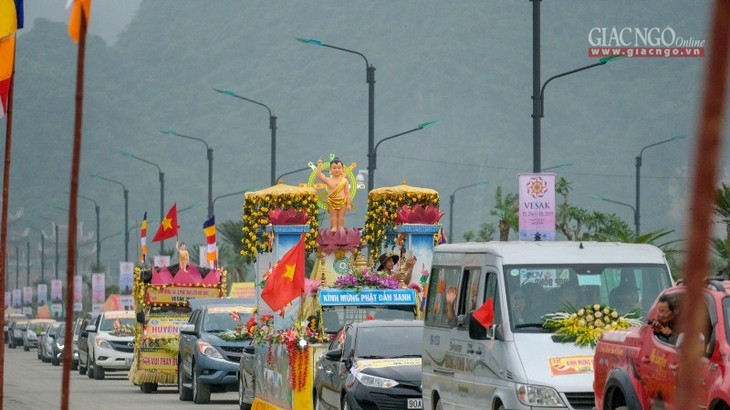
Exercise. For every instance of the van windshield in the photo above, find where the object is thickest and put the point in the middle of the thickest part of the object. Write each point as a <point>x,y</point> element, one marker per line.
<point>536,290</point>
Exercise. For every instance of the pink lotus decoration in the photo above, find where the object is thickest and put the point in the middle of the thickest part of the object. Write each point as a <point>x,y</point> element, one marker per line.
<point>289,216</point>
<point>347,239</point>
<point>418,215</point>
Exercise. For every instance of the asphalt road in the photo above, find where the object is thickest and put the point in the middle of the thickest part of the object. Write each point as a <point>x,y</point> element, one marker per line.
<point>31,384</point>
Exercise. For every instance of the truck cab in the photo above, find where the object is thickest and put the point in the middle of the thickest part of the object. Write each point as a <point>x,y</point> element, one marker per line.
<point>208,362</point>
<point>636,368</point>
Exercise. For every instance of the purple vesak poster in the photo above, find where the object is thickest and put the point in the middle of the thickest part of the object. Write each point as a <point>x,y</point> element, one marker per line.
<point>78,296</point>
<point>98,294</point>
<point>537,207</point>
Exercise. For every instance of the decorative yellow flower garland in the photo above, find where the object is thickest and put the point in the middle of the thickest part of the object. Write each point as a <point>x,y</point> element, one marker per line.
<point>585,326</point>
<point>256,217</point>
<point>382,207</point>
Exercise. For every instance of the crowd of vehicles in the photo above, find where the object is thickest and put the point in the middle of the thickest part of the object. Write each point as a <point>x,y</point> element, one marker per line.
<point>385,355</point>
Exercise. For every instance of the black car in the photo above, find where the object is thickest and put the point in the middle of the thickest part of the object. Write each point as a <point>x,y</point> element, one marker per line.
<point>371,365</point>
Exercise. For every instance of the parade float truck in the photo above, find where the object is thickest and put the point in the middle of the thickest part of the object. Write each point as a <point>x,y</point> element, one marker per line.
<point>277,368</point>
<point>162,297</point>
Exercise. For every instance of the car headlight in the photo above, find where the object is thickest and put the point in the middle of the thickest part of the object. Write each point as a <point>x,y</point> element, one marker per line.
<point>375,381</point>
<point>59,344</point>
<point>539,396</point>
<point>103,343</point>
<point>207,349</point>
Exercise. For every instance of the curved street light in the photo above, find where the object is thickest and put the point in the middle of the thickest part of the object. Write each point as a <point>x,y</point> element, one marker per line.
<point>55,234</point>
<point>126,211</point>
<point>452,197</point>
<point>162,187</point>
<point>272,127</point>
<point>563,165</point>
<point>230,194</point>
<point>292,172</point>
<point>538,105</point>
<point>370,79</point>
<point>638,178</point>
<point>209,151</point>
<point>97,210</point>
<point>634,210</point>
<point>371,172</point>
<point>43,251</point>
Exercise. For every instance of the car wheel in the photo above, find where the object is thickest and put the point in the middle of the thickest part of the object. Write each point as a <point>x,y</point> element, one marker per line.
<point>148,387</point>
<point>11,344</point>
<point>440,406</point>
<point>201,391</point>
<point>185,393</point>
<point>26,347</point>
<point>98,372</point>
<point>82,369</point>
<point>344,405</point>
<point>90,369</point>
<point>74,365</point>
<point>55,361</point>
<point>38,351</point>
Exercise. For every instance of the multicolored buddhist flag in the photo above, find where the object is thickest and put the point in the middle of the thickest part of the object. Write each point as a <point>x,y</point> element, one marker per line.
<point>11,19</point>
<point>286,281</point>
<point>168,226</point>
<point>78,7</point>
<point>143,238</point>
<point>212,249</point>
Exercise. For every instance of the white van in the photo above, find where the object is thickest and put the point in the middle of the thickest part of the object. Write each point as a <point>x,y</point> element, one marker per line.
<point>516,363</point>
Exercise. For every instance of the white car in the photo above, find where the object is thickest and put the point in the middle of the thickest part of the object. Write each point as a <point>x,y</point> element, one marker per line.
<point>111,343</point>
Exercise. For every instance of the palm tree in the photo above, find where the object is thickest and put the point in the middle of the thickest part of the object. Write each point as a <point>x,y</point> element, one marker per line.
<point>507,211</point>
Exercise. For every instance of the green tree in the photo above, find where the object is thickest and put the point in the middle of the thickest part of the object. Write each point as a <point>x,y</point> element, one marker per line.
<point>506,209</point>
<point>722,210</point>
<point>580,224</point>
<point>485,234</point>
<point>229,251</point>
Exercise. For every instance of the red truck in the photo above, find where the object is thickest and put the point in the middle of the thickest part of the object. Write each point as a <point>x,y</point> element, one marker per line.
<point>634,369</point>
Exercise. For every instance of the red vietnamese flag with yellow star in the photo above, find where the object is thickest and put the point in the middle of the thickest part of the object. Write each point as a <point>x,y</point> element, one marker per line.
<point>286,280</point>
<point>168,226</point>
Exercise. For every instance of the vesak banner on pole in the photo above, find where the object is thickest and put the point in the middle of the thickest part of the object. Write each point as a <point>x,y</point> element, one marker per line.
<point>56,291</point>
<point>42,294</point>
<point>97,292</point>
<point>78,296</point>
<point>16,298</point>
<point>203,257</point>
<point>537,207</point>
<point>27,295</point>
<point>126,277</point>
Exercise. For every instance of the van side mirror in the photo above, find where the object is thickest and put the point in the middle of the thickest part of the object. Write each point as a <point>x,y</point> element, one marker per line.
<point>91,328</point>
<point>188,329</point>
<point>333,355</point>
<point>476,330</point>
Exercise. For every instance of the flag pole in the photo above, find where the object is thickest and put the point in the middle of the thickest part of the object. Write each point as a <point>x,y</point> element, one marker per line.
<point>4,223</point>
<point>71,252</point>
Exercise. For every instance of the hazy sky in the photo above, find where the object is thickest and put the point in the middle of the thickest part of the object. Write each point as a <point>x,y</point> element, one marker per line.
<point>110,16</point>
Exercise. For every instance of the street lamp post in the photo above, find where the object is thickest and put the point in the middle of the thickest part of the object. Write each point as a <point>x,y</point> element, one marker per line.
<point>370,79</point>
<point>634,210</point>
<point>638,179</point>
<point>231,194</point>
<point>55,233</point>
<point>291,172</point>
<point>17,266</point>
<point>209,151</point>
<point>162,189</point>
<point>272,127</point>
<point>371,171</point>
<point>97,209</point>
<point>27,262</point>
<point>452,197</point>
<point>43,251</point>
<point>538,106</point>
<point>126,212</point>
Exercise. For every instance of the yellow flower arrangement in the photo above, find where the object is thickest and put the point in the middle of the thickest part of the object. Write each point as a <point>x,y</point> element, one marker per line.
<point>256,207</point>
<point>383,204</point>
<point>585,326</point>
